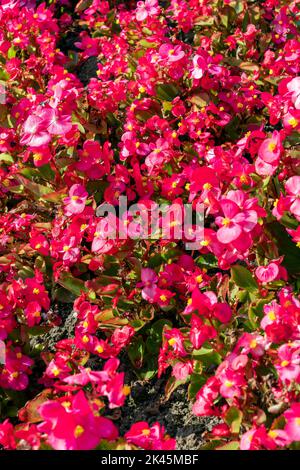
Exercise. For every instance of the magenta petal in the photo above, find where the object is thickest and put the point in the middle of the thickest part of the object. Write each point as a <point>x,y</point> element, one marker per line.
<point>228,234</point>
<point>229,208</point>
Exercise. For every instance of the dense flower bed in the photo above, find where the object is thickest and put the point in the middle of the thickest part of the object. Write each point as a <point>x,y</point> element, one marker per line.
<point>191,101</point>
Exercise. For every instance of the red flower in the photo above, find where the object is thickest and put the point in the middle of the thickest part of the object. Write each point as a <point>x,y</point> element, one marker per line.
<point>70,424</point>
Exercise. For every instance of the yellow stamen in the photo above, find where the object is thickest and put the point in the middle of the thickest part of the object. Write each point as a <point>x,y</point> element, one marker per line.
<point>79,430</point>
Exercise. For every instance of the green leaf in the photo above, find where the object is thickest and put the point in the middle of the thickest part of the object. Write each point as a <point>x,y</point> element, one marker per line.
<point>197,381</point>
<point>3,75</point>
<point>243,278</point>
<point>154,335</point>
<point>6,157</point>
<point>11,53</point>
<point>233,445</point>
<point>207,356</point>
<point>36,189</point>
<point>167,91</point>
<point>208,261</point>
<point>147,44</point>
<point>136,351</point>
<point>171,386</point>
<point>72,284</point>
<point>286,247</point>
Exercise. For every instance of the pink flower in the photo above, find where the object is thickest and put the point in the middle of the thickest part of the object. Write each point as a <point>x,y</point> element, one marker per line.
<point>163,297</point>
<point>204,404</point>
<point>33,313</point>
<point>147,8</point>
<point>182,370</point>
<point>271,149</point>
<point>94,160</point>
<point>56,124</point>
<point>149,280</point>
<point>267,273</point>
<point>41,157</point>
<point>288,366</point>
<point>294,88</point>
<point>75,203</point>
<point>150,438</point>
<point>175,340</point>
<point>171,53</point>
<point>199,67</point>
<point>71,424</point>
<point>231,384</point>
<point>234,222</point>
<point>200,333</point>
<point>84,377</point>
<point>105,234</point>
<point>40,243</point>
<point>34,132</point>
<point>272,313</point>
<point>292,187</point>
<point>258,438</point>
<point>251,343</point>
<point>263,168</point>
<point>7,438</point>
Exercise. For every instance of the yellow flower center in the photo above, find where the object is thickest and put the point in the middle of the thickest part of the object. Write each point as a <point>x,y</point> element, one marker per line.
<point>293,122</point>
<point>272,315</point>
<point>272,146</point>
<point>126,390</point>
<point>79,430</point>
<point>228,384</point>
<point>172,341</point>
<point>66,404</point>
<point>225,221</point>
<point>55,371</point>
<point>284,363</point>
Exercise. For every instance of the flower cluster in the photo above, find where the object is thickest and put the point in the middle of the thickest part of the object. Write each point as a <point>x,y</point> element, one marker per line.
<point>162,102</point>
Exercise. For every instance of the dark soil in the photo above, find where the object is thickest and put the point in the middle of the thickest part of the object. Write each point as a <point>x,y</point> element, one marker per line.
<point>146,403</point>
